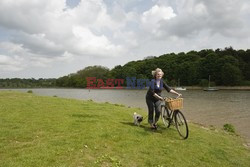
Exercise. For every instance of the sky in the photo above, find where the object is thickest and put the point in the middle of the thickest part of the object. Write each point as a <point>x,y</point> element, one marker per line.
<point>53,38</point>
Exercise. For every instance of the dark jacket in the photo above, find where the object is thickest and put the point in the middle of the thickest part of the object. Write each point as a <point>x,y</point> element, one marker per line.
<point>153,88</point>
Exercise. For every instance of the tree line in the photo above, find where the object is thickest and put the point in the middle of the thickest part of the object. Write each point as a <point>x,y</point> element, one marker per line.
<point>227,67</point>
<point>27,83</point>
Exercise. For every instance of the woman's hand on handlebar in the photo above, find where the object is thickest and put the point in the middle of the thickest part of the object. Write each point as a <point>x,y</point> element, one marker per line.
<point>178,95</point>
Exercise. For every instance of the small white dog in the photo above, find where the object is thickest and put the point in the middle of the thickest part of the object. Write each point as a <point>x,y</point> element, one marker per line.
<point>137,119</point>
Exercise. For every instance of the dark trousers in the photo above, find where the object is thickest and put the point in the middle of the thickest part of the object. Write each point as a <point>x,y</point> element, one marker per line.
<point>154,106</point>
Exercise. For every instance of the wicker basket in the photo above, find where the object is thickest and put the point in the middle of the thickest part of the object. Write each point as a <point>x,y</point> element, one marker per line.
<point>174,104</point>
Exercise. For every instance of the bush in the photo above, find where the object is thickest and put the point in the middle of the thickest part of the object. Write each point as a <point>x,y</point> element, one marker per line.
<point>229,128</point>
<point>120,105</point>
<point>245,83</point>
<point>29,91</point>
<point>203,83</point>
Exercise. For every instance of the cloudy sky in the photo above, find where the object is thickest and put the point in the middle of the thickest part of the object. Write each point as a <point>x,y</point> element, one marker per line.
<point>53,38</point>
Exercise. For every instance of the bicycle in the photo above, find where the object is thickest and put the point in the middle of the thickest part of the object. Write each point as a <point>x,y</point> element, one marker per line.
<point>171,115</point>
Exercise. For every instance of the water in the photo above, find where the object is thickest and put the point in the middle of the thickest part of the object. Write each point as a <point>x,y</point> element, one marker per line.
<point>207,108</point>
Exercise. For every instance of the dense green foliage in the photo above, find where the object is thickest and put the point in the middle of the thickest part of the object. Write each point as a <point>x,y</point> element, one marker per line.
<point>78,79</point>
<point>27,83</point>
<point>50,131</point>
<point>227,67</point>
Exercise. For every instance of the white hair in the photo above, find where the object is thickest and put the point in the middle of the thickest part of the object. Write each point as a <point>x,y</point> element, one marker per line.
<point>156,71</point>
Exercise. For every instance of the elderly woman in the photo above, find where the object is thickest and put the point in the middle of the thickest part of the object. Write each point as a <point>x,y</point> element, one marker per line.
<point>153,97</point>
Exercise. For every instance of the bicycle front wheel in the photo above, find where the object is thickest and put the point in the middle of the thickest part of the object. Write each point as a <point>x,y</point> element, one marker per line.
<point>165,116</point>
<point>181,124</point>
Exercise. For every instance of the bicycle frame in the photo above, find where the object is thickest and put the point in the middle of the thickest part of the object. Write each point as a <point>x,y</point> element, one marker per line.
<point>176,118</point>
<point>170,113</point>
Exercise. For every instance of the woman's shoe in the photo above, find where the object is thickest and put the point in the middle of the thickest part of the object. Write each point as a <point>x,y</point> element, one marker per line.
<point>155,125</point>
<point>152,126</point>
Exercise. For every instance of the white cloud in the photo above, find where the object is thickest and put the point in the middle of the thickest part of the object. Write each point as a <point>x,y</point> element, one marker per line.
<point>194,16</point>
<point>40,44</point>
<point>48,34</point>
<point>66,56</point>
<point>87,42</point>
<point>19,58</point>
<point>29,16</point>
<point>157,13</point>
<point>151,19</point>
<point>48,30</point>
<point>44,32</point>
<point>128,38</point>
<point>11,48</point>
<point>13,63</point>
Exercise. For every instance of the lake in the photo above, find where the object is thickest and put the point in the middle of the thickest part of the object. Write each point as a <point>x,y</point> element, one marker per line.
<point>208,108</point>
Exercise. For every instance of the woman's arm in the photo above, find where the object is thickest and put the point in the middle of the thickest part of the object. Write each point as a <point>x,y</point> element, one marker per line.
<point>171,90</point>
<point>158,97</point>
<point>174,92</point>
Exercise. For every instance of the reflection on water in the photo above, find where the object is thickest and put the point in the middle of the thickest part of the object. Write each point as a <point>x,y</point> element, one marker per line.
<point>209,108</point>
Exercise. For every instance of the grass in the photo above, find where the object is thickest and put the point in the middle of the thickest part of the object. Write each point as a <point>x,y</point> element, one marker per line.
<point>49,131</point>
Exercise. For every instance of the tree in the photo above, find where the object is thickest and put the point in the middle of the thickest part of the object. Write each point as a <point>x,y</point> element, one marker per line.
<point>187,73</point>
<point>231,75</point>
<point>209,66</point>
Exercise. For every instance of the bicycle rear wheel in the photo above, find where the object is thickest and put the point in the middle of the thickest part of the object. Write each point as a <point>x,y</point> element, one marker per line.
<point>165,116</point>
<point>181,124</point>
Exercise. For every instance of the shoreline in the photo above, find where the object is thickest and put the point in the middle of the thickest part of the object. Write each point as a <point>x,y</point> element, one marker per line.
<point>219,87</point>
<point>127,88</point>
<point>245,139</point>
<point>196,88</point>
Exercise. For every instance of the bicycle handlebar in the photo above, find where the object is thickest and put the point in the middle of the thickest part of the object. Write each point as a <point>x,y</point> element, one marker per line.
<point>166,97</point>
<point>178,96</point>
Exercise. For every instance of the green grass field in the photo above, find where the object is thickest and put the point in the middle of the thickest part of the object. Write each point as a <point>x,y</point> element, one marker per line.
<point>52,131</point>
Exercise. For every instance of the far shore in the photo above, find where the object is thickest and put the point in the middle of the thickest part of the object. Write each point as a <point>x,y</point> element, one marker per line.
<point>220,87</point>
<point>188,88</point>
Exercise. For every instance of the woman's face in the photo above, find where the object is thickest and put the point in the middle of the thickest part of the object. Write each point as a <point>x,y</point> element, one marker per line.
<point>158,75</point>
